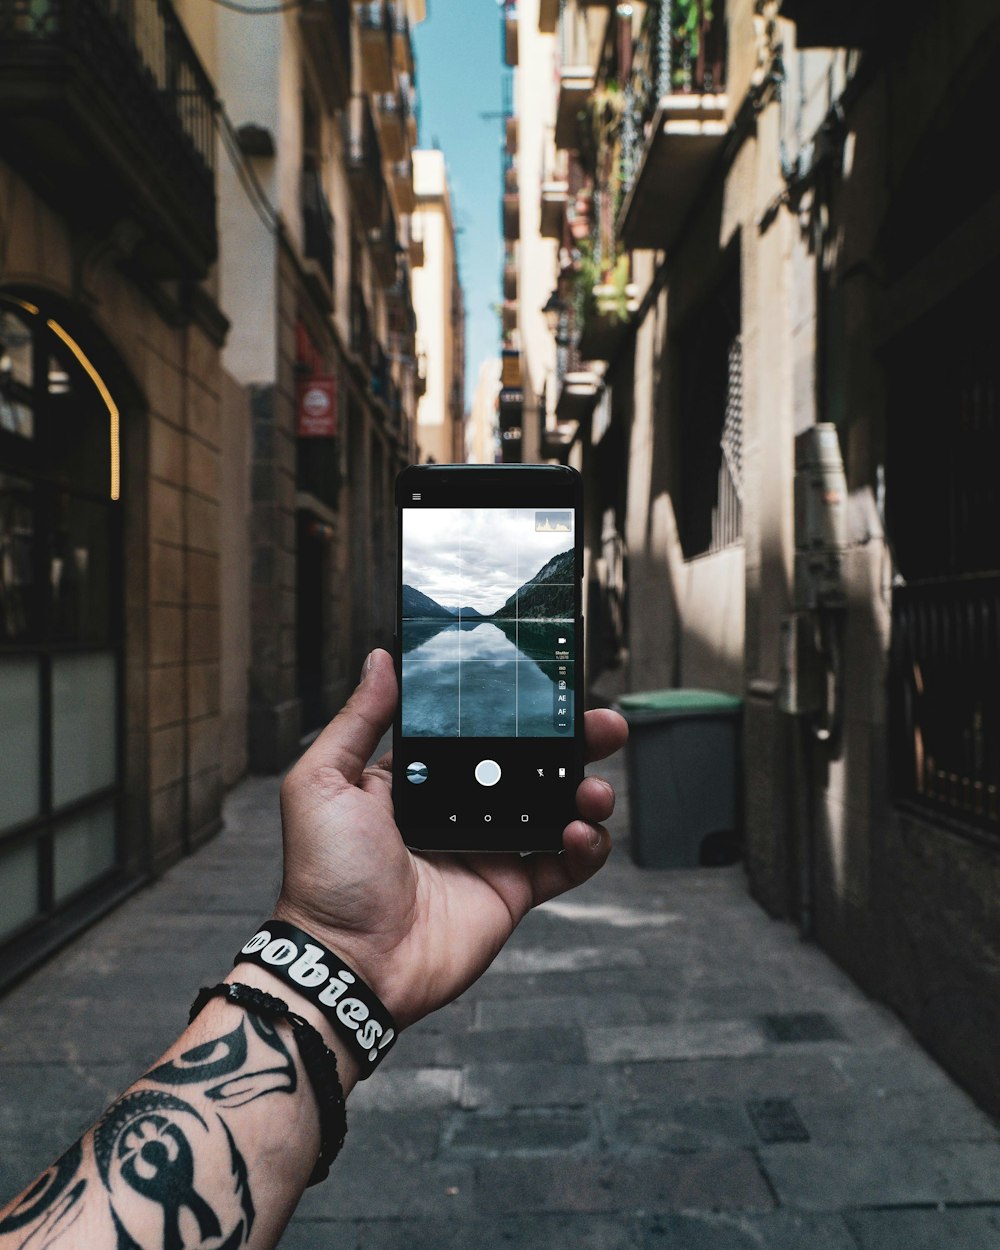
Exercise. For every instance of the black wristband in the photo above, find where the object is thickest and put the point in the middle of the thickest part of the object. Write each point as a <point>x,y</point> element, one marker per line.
<point>353,1009</point>
<point>318,1060</point>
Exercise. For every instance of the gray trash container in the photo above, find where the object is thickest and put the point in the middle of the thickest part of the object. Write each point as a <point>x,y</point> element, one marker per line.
<point>683,770</point>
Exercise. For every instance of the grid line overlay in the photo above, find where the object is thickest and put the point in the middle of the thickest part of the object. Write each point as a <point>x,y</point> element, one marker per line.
<point>537,639</point>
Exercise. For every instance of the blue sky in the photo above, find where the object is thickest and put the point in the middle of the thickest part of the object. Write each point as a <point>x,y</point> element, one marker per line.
<point>459,72</point>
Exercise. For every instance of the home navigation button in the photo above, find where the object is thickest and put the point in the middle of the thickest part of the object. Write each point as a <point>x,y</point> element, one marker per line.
<point>487,772</point>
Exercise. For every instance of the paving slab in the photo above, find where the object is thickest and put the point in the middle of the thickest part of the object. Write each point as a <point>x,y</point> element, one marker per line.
<point>715,1180</point>
<point>927,1229</point>
<point>599,1088</point>
<point>814,1177</point>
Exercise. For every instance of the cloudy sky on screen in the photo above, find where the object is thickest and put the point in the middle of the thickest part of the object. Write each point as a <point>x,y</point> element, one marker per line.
<point>475,557</point>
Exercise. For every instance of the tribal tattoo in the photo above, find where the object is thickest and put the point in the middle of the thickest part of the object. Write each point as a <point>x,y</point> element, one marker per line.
<point>152,1152</point>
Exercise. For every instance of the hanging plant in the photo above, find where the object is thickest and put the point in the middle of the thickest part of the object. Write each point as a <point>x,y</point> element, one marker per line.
<point>687,19</point>
<point>599,120</point>
<point>603,289</point>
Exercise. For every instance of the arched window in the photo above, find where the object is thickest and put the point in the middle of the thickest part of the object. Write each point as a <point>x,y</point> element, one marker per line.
<point>60,620</point>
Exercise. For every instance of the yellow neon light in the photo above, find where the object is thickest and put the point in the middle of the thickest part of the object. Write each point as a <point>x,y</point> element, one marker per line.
<point>105,394</point>
<point>22,303</point>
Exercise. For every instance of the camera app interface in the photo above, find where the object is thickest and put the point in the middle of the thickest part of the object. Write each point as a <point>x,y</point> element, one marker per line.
<point>488,611</point>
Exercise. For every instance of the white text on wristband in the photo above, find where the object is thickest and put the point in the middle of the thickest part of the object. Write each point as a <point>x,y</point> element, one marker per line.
<point>347,1002</point>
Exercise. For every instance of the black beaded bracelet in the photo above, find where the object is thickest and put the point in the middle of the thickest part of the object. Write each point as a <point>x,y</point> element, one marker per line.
<point>318,1060</point>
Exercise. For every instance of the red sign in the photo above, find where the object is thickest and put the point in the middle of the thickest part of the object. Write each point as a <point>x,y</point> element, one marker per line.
<point>318,407</point>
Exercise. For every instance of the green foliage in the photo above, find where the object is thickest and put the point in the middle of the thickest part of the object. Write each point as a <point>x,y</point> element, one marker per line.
<point>686,24</point>
<point>599,120</point>
<point>590,275</point>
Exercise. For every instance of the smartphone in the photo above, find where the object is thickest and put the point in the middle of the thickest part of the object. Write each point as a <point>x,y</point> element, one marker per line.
<point>488,737</point>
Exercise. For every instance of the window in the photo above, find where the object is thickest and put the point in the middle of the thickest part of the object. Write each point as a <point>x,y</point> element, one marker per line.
<point>710,365</point>
<point>60,620</point>
<point>943,519</point>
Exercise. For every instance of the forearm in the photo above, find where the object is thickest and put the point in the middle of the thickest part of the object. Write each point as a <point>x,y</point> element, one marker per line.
<point>217,1140</point>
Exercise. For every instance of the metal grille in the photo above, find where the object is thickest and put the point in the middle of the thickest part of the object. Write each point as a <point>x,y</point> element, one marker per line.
<point>727,515</point>
<point>943,503</point>
<point>117,39</point>
<point>946,643</point>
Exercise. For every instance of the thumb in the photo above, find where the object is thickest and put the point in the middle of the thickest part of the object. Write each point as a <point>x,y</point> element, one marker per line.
<point>347,743</point>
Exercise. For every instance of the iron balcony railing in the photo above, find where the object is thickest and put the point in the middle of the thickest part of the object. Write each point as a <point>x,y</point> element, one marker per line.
<point>148,33</point>
<point>681,50</point>
<point>364,158</point>
<point>361,334</point>
<point>119,82</point>
<point>945,726</point>
<point>317,223</point>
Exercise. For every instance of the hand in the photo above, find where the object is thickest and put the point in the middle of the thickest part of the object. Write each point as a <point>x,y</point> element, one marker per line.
<point>420,929</point>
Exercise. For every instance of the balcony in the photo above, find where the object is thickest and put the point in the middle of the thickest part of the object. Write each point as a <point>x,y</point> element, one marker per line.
<point>554,193</point>
<point>607,313</point>
<point>402,185</point>
<point>681,109</point>
<point>548,16</point>
<point>361,332</point>
<point>685,139</point>
<point>576,82</point>
<point>510,135</point>
<point>384,243</point>
<point>393,132</point>
<point>326,38</point>
<point>510,275</point>
<point>376,40</point>
<point>317,239</point>
<point>111,115</point>
<point>402,44</point>
<point>412,239</point>
<point>557,440</point>
<point>510,32</point>
<point>509,316</point>
<point>511,216</point>
<point>364,159</point>
<point>577,396</point>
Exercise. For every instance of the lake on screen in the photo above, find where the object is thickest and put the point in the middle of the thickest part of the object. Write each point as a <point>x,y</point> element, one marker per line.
<point>490,679</point>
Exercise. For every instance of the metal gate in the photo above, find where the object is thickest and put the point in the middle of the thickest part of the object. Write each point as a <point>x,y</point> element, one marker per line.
<point>943,512</point>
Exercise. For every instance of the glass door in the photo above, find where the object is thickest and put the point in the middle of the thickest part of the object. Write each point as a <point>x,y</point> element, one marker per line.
<point>60,621</point>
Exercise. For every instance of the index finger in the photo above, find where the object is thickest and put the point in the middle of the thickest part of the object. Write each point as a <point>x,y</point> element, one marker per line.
<point>604,732</point>
<point>346,743</point>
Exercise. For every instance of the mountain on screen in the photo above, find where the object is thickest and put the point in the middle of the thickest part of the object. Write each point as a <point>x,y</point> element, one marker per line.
<point>547,595</point>
<point>417,604</point>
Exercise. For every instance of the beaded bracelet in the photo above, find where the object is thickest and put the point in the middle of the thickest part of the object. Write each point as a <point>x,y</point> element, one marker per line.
<point>318,1060</point>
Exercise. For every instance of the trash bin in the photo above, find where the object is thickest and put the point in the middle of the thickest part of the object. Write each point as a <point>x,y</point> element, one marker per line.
<point>683,770</point>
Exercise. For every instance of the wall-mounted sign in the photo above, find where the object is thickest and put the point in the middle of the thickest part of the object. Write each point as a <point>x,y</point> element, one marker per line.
<point>318,407</point>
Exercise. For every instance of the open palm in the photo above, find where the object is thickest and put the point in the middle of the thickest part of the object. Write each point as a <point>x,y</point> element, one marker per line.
<point>420,929</point>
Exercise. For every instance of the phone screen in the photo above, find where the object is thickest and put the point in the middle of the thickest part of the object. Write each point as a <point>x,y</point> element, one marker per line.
<point>488,642</point>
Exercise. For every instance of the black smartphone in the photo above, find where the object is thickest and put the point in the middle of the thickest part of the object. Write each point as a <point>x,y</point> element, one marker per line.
<point>488,738</point>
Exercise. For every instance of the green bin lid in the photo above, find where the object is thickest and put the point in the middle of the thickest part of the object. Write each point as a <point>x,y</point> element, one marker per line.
<point>680,702</point>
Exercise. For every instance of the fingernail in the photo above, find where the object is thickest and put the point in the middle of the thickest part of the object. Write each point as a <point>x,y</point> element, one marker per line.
<point>609,789</point>
<point>595,839</point>
<point>366,668</point>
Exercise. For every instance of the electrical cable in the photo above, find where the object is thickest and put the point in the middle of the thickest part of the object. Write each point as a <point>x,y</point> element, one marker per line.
<point>255,193</point>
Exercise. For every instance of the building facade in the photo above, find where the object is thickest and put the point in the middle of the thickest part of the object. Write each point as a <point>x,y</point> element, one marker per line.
<point>481,432</point>
<point>322,104</point>
<point>440,314</point>
<point>775,251</point>
<point>208,379</point>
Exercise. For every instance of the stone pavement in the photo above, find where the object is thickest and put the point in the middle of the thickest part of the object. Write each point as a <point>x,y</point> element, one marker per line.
<point>651,1062</point>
